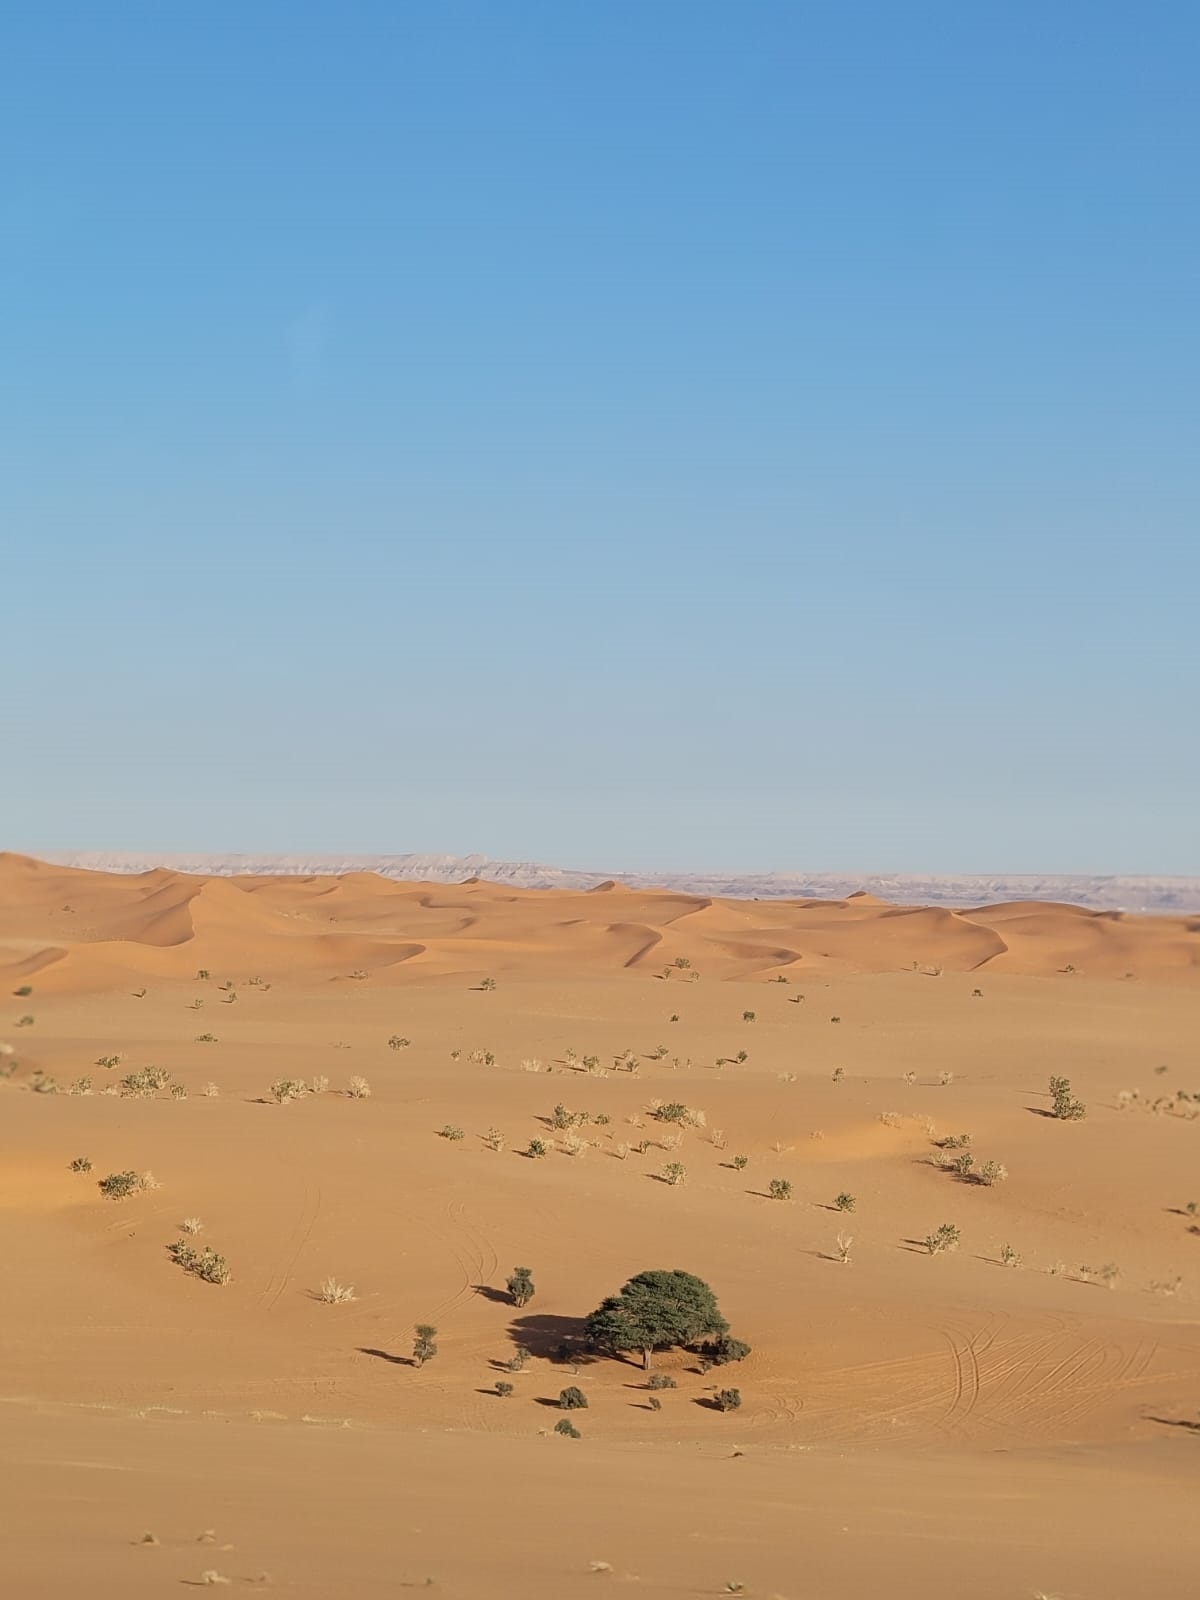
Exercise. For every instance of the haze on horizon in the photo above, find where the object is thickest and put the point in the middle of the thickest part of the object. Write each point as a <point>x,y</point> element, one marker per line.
<point>673,436</point>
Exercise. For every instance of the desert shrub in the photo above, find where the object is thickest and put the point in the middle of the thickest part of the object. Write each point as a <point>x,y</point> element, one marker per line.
<point>424,1343</point>
<point>720,1352</point>
<point>674,1173</point>
<point>359,1089</point>
<point>945,1238</point>
<point>780,1189</point>
<point>144,1085</point>
<point>572,1399</point>
<point>537,1149</point>
<point>1065,1107</point>
<point>108,1061</point>
<point>990,1173</point>
<point>191,1225</point>
<point>504,1389</point>
<point>741,1162</point>
<point>844,1202</point>
<point>748,1016</point>
<point>205,1264</point>
<point>562,1120</point>
<point>519,1359</point>
<point>396,1042</point>
<point>844,1244</point>
<point>206,1038</point>
<point>25,1022</point>
<point>654,1403</point>
<point>742,1056</point>
<point>334,1293</point>
<point>210,1091</point>
<point>839,1074</point>
<point>728,1399</point>
<point>179,1091</point>
<point>25,990</point>
<point>451,1132</point>
<point>119,1185</point>
<point>520,1286</point>
<point>672,1111</point>
<point>954,1141</point>
<point>488,984</point>
<point>318,1083</point>
<point>661,1380</point>
<point>81,1164</point>
<point>285,1090</point>
<point>568,1429</point>
<point>81,1086</point>
<point>1009,1256</point>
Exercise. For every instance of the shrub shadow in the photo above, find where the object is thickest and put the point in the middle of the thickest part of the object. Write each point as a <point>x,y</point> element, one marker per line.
<point>386,1355</point>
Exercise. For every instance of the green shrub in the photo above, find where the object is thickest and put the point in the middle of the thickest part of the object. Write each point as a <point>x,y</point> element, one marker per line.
<point>504,1389</point>
<point>780,1189</point>
<point>24,991</point>
<point>397,1043</point>
<point>572,1399</point>
<point>520,1286</point>
<point>945,1238</point>
<point>654,1311</point>
<point>451,1132</point>
<point>424,1345</point>
<point>119,1185</point>
<point>720,1352</point>
<point>285,1090</point>
<point>568,1429</point>
<point>728,1399</point>
<point>741,1162</point>
<point>537,1148</point>
<point>661,1380</point>
<point>844,1202</point>
<point>1066,1108</point>
<point>674,1173</point>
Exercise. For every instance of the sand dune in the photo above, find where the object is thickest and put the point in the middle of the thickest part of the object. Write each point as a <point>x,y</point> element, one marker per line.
<point>1062,1391</point>
<point>273,926</point>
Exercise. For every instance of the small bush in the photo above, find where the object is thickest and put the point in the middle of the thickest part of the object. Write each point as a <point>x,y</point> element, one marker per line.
<point>741,1163</point>
<point>748,1016</point>
<point>206,1038</point>
<point>191,1225</point>
<point>424,1343</point>
<point>844,1202</point>
<point>520,1286</point>
<point>780,1189</point>
<point>144,1085</point>
<point>334,1293</point>
<point>81,1164</point>
<point>398,1043</point>
<point>205,1264</point>
<point>504,1389</point>
<point>285,1090</point>
<point>674,1173</point>
<point>945,1238</point>
<point>120,1185</point>
<point>1009,1256</point>
<point>572,1399</point>
<point>108,1061</point>
<point>568,1429</point>
<point>1066,1108</point>
<point>654,1403</point>
<point>537,1149</point>
<point>451,1132</point>
<point>720,1352</point>
<point>728,1399</point>
<point>359,1089</point>
<point>672,1111</point>
<point>488,985</point>
<point>25,1022</point>
<point>661,1380</point>
<point>24,991</point>
<point>519,1359</point>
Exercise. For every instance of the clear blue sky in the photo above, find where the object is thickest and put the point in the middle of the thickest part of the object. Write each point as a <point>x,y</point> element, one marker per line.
<point>641,433</point>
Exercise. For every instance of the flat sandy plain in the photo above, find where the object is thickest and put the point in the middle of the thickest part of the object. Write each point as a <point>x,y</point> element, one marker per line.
<point>912,1425</point>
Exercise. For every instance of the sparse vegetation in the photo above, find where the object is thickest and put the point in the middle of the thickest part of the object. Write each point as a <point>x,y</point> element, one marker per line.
<point>398,1043</point>
<point>120,1185</point>
<point>504,1388</point>
<point>205,1264</point>
<point>740,1163</point>
<point>661,1380</point>
<point>572,1399</point>
<point>942,1239</point>
<point>520,1286</point>
<point>674,1173</point>
<point>451,1132</point>
<point>424,1343</point>
<point>81,1164</point>
<point>1009,1256</point>
<point>334,1293</point>
<point>727,1399</point>
<point>844,1202</point>
<point>780,1189</point>
<point>1065,1107</point>
<point>568,1429</point>
<point>285,1090</point>
<point>359,1089</point>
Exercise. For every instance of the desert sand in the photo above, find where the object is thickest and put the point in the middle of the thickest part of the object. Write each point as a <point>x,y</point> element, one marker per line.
<point>913,1424</point>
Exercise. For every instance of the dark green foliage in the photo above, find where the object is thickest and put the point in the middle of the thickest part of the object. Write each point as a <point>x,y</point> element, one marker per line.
<point>424,1346</point>
<point>655,1405</point>
<point>654,1311</point>
<point>661,1380</point>
<point>780,1189</point>
<point>537,1148</point>
<point>568,1429</point>
<point>504,1389</point>
<point>719,1352</point>
<point>728,1399</point>
<point>520,1286</point>
<point>572,1399</point>
<point>673,1111</point>
<point>205,1264</point>
<point>844,1202</point>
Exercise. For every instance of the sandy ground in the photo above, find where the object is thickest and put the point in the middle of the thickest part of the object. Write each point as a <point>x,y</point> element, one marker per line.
<point>911,1425</point>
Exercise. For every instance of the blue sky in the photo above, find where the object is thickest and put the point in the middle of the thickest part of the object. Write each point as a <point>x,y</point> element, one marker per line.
<point>654,433</point>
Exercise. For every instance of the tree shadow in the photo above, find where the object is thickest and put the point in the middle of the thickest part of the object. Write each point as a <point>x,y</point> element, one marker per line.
<point>1176,1422</point>
<point>498,1297</point>
<point>386,1355</point>
<point>1040,1111</point>
<point>552,1338</point>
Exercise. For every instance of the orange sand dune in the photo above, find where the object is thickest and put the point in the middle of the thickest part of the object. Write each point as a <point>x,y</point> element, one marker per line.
<point>911,1424</point>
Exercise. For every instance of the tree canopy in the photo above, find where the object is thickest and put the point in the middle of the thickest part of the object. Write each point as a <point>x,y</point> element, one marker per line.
<point>654,1311</point>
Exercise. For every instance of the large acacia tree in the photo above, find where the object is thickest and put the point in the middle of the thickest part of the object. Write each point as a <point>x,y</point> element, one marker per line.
<point>654,1311</point>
